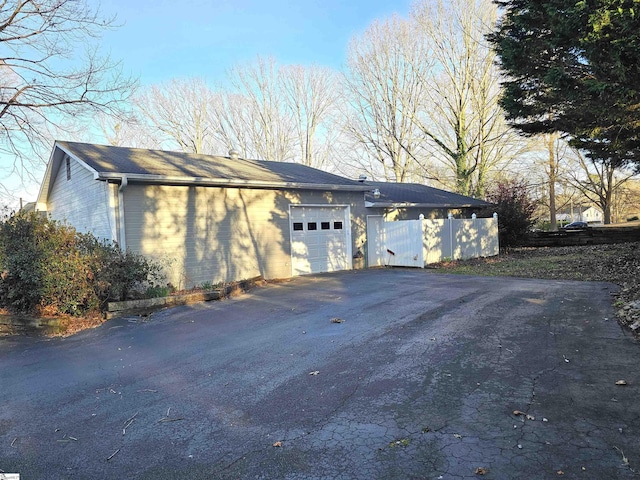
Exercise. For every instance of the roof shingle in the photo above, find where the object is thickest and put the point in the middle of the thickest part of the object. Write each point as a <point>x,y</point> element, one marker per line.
<point>418,195</point>
<point>109,160</point>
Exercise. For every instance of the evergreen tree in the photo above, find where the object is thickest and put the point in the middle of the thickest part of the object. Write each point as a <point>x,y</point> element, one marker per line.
<point>573,67</point>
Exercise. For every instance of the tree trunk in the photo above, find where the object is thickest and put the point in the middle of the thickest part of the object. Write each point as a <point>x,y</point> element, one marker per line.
<point>553,223</point>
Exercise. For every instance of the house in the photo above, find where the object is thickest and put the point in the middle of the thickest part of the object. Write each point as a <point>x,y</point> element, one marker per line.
<point>580,214</point>
<point>401,201</point>
<point>215,219</point>
<point>592,215</point>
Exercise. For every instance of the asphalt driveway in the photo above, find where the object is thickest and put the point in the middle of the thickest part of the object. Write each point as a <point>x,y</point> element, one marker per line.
<point>420,380</point>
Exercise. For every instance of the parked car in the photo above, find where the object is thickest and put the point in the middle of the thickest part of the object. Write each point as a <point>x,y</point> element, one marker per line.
<point>576,226</point>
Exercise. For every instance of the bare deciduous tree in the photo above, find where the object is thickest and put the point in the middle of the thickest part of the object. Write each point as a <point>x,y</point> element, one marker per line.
<point>130,131</point>
<point>599,181</point>
<point>384,83</point>
<point>461,118</point>
<point>426,96</point>
<point>43,81</point>
<point>312,94</point>
<point>181,111</point>
<point>550,160</point>
<point>267,121</point>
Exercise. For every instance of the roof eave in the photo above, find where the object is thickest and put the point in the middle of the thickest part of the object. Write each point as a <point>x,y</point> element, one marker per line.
<point>224,182</point>
<point>369,204</point>
<point>52,167</point>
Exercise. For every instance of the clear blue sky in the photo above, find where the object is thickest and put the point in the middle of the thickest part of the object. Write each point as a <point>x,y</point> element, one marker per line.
<point>163,39</point>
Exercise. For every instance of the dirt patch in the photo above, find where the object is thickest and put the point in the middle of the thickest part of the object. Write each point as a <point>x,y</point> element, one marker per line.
<point>617,263</point>
<point>50,326</point>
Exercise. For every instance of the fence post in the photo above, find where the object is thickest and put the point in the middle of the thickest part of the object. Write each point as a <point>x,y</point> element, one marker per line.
<point>450,217</point>
<point>495,217</point>
<point>423,242</point>
<point>476,243</point>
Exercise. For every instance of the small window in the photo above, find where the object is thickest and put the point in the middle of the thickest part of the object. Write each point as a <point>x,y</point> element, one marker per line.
<point>68,164</point>
<point>312,226</point>
<point>297,226</point>
<point>325,225</point>
<point>337,225</point>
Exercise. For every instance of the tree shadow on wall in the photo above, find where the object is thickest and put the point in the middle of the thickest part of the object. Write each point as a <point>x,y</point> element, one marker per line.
<point>214,234</point>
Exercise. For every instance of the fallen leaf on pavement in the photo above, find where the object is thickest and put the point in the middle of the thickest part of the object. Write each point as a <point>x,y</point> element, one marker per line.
<point>480,471</point>
<point>277,444</point>
<point>621,382</point>
<point>337,320</point>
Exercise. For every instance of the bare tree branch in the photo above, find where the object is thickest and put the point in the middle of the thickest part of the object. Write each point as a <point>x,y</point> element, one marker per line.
<point>44,82</point>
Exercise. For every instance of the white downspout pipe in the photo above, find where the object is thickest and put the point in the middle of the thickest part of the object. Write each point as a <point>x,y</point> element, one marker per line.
<point>123,239</point>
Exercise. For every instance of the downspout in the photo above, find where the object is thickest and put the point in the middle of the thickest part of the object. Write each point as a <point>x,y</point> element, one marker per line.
<point>123,239</point>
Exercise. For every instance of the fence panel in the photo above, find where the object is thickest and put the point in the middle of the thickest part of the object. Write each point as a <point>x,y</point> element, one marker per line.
<point>436,241</point>
<point>416,243</point>
<point>488,231</point>
<point>403,243</point>
<point>466,237</point>
<point>375,240</point>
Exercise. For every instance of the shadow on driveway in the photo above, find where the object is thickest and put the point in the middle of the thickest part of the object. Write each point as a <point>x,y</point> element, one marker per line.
<point>420,380</point>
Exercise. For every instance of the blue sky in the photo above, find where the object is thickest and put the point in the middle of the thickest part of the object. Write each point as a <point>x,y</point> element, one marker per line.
<point>163,39</point>
<point>159,41</point>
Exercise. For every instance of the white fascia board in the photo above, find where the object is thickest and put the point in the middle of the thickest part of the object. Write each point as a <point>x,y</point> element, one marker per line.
<point>53,165</point>
<point>43,193</point>
<point>419,205</point>
<point>225,182</point>
<point>80,161</point>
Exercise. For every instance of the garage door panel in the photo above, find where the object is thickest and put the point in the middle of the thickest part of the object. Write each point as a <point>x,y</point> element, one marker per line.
<point>319,246</point>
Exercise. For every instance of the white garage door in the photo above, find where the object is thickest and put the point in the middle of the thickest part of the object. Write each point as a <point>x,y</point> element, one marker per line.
<point>320,239</point>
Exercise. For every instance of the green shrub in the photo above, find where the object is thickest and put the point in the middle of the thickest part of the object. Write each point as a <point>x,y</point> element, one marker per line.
<point>46,265</point>
<point>156,292</point>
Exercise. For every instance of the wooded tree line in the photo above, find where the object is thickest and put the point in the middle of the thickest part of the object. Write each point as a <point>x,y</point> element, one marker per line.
<point>417,101</point>
<point>420,98</point>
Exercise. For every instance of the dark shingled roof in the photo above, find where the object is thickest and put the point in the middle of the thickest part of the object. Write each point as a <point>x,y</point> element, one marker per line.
<point>111,162</point>
<point>414,194</point>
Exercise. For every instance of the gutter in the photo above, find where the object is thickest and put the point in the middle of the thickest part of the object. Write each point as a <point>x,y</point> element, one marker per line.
<point>421,205</point>
<point>227,182</point>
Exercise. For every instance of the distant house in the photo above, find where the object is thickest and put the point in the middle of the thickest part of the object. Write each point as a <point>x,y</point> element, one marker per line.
<point>215,219</point>
<point>581,214</point>
<point>592,215</point>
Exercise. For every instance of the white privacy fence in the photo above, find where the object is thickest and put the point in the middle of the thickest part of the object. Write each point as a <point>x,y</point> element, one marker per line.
<point>416,243</point>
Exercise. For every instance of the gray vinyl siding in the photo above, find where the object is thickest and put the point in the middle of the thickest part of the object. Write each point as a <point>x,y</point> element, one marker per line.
<point>212,234</point>
<point>81,201</point>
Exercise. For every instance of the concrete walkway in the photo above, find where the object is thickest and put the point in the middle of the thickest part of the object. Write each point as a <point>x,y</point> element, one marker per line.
<point>428,376</point>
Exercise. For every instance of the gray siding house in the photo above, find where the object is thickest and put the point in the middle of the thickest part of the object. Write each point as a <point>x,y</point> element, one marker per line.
<point>217,219</point>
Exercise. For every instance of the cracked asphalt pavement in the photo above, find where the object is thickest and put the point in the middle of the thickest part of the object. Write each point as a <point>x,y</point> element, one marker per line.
<point>421,380</point>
